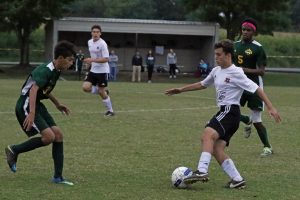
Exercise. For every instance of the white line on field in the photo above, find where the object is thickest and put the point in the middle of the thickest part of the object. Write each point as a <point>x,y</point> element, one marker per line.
<point>132,111</point>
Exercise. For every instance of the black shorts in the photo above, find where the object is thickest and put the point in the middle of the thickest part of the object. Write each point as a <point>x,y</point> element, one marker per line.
<point>226,122</point>
<point>99,79</point>
<point>253,101</point>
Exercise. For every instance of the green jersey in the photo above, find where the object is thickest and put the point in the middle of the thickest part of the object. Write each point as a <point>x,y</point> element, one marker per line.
<point>250,55</point>
<point>45,76</point>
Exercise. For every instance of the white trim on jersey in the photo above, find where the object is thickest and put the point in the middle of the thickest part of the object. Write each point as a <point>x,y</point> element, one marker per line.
<point>25,106</point>
<point>98,49</point>
<point>230,84</point>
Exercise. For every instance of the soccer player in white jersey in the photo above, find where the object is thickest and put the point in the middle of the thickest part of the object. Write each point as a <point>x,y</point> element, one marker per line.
<point>230,82</point>
<point>99,71</point>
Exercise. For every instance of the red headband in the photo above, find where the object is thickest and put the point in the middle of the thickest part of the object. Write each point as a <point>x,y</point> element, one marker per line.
<point>249,24</point>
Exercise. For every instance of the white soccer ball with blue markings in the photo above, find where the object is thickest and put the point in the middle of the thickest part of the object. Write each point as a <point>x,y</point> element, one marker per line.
<point>178,175</point>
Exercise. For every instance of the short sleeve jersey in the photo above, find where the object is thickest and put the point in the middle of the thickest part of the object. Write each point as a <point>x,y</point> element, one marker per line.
<point>99,49</point>
<point>45,76</point>
<point>250,55</point>
<point>230,84</point>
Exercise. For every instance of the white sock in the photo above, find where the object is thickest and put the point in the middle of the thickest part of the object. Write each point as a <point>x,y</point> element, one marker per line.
<point>95,89</point>
<point>107,104</point>
<point>230,169</point>
<point>204,162</point>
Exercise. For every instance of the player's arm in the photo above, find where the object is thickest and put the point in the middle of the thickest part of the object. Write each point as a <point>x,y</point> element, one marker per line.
<point>64,109</point>
<point>272,110</point>
<point>96,60</point>
<point>260,71</point>
<point>27,124</point>
<point>190,87</point>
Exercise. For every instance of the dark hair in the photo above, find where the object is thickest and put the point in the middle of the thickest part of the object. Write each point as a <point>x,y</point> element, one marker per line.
<point>64,49</point>
<point>97,27</point>
<point>250,20</point>
<point>226,45</point>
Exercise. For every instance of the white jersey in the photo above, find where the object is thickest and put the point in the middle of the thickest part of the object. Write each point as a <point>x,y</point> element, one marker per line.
<point>99,49</point>
<point>230,84</point>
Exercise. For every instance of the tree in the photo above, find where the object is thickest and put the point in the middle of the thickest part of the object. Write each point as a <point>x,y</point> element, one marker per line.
<point>24,16</point>
<point>271,15</point>
<point>133,9</point>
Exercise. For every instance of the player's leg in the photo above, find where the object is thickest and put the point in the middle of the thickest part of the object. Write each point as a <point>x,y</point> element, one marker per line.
<point>139,69</point>
<point>58,157</point>
<point>209,136</point>
<point>39,126</point>
<point>134,70</point>
<point>102,84</point>
<point>228,166</point>
<point>245,118</point>
<point>262,133</point>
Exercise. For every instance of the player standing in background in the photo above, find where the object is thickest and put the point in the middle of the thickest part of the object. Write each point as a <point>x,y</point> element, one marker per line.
<point>230,82</point>
<point>33,115</point>
<point>98,75</point>
<point>250,55</point>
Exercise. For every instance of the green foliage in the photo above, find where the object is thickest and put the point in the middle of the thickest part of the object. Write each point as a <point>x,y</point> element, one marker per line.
<point>270,14</point>
<point>132,155</point>
<point>134,9</point>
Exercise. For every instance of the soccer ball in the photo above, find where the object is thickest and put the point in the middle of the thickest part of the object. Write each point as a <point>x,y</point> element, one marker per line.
<point>178,175</point>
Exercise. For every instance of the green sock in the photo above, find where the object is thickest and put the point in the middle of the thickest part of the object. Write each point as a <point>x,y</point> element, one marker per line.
<point>262,133</point>
<point>28,145</point>
<point>245,119</point>
<point>58,158</point>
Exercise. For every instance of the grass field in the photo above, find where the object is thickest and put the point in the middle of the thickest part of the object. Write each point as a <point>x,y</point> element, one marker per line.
<point>132,155</point>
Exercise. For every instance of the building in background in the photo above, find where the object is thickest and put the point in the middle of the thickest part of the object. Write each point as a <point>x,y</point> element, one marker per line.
<point>192,41</point>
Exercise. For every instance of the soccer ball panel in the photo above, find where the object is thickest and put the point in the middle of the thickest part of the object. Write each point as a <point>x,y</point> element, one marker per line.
<point>178,175</point>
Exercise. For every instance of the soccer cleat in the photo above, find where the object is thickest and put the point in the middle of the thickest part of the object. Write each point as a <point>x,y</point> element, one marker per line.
<point>267,151</point>
<point>11,159</point>
<point>109,114</point>
<point>61,180</point>
<point>247,129</point>
<point>236,184</point>
<point>195,177</point>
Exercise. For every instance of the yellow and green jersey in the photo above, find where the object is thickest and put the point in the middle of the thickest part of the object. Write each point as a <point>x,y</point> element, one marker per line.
<point>250,55</point>
<point>45,76</point>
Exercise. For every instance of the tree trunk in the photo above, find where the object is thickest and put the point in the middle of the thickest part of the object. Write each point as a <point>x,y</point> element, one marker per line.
<point>23,35</point>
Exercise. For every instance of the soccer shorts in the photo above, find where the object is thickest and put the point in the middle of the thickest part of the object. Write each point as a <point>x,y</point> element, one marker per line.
<point>99,79</point>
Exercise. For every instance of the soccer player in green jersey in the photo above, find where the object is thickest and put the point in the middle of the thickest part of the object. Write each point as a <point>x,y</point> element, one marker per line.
<point>250,55</point>
<point>33,115</point>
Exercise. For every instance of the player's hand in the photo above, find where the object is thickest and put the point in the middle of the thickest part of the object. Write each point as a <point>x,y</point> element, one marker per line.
<point>88,60</point>
<point>28,122</point>
<point>274,113</point>
<point>173,91</point>
<point>63,109</point>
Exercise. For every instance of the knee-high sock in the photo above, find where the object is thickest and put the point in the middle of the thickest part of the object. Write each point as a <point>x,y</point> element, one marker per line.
<point>230,169</point>
<point>28,145</point>
<point>58,158</point>
<point>107,103</point>
<point>204,162</point>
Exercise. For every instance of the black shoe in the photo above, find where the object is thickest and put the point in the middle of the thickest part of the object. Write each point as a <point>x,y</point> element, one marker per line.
<point>195,177</point>
<point>11,159</point>
<point>109,114</point>
<point>236,184</point>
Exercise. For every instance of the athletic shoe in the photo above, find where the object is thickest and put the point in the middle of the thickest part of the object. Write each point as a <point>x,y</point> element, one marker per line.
<point>170,77</point>
<point>61,180</point>
<point>236,184</point>
<point>11,159</point>
<point>149,81</point>
<point>195,177</point>
<point>267,151</point>
<point>109,114</point>
<point>247,129</point>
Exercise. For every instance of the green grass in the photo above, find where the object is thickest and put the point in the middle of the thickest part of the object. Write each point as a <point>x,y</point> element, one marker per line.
<point>132,155</point>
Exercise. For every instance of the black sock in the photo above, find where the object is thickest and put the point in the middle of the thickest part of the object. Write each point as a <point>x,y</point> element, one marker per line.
<point>58,158</point>
<point>28,145</point>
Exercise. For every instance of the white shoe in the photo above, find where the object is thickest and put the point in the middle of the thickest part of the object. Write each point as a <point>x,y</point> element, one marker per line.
<point>267,151</point>
<point>174,76</point>
<point>170,76</point>
<point>149,81</point>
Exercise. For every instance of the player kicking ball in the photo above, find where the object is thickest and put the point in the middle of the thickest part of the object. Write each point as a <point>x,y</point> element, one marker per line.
<point>230,82</point>
<point>34,117</point>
